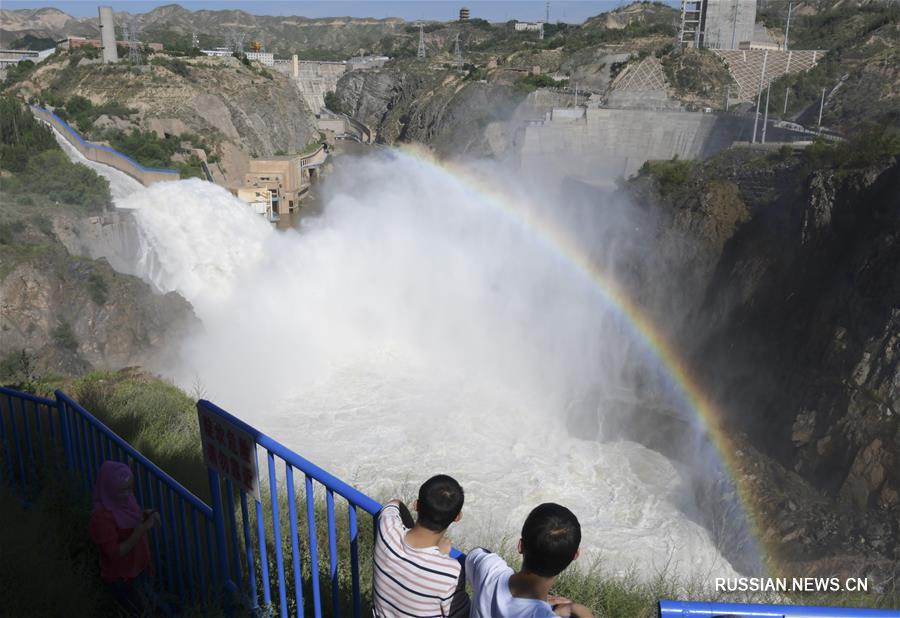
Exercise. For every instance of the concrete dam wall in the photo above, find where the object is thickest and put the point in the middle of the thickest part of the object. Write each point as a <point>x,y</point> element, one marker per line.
<point>614,142</point>
<point>104,154</point>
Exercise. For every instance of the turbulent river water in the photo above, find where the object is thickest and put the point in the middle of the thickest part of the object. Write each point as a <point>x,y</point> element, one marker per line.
<point>414,328</point>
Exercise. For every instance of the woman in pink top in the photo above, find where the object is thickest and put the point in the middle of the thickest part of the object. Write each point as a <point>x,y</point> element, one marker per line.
<point>118,527</point>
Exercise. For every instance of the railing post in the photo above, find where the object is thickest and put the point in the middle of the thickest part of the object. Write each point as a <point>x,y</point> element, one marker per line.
<point>215,492</point>
<point>65,432</point>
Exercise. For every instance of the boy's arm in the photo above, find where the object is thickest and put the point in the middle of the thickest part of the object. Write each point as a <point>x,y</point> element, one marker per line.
<point>459,604</point>
<point>472,561</point>
<point>406,517</point>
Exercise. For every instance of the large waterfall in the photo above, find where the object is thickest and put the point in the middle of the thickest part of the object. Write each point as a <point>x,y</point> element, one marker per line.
<point>416,328</point>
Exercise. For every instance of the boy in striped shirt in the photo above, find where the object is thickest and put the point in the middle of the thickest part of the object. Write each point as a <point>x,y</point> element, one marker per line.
<point>414,575</point>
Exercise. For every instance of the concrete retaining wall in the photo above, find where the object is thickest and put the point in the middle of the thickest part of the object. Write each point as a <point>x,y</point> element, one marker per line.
<point>104,154</point>
<point>614,142</point>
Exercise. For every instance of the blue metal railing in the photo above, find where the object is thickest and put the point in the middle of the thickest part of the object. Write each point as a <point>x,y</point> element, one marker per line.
<point>37,433</point>
<point>29,433</point>
<point>183,547</point>
<point>685,609</point>
<point>201,551</point>
<point>259,537</point>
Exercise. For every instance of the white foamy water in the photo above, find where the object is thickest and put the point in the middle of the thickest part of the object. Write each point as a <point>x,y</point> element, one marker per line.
<point>120,183</point>
<point>414,329</point>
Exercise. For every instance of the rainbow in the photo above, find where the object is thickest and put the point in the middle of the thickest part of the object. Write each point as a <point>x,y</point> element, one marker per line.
<point>645,332</point>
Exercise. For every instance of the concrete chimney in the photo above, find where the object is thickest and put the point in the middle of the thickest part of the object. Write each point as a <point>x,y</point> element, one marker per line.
<point>108,35</point>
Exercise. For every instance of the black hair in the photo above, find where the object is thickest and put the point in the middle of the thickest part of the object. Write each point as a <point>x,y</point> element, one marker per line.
<point>550,539</point>
<point>440,501</point>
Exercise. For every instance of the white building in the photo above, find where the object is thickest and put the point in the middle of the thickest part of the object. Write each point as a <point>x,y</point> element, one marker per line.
<point>528,26</point>
<point>9,57</point>
<point>218,52</point>
<point>265,58</point>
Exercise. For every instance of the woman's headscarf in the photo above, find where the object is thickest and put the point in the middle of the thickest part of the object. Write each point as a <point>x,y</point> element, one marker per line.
<point>109,482</point>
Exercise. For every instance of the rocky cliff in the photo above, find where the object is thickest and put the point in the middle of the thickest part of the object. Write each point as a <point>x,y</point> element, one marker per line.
<point>429,106</point>
<point>792,320</point>
<point>64,315</point>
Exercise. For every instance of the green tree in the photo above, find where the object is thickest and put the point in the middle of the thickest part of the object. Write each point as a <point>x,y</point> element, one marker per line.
<point>21,135</point>
<point>332,101</point>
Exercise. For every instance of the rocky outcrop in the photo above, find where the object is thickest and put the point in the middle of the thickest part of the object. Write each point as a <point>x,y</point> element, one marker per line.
<point>72,314</point>
<point>793,323</point>
<point>434,107</point>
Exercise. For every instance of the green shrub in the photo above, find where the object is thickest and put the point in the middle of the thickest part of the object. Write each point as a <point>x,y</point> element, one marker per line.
<point>192,168</point>
<point>144,146</point>
<point>17,370</point>
<point>66,182</point>
<point>154,416</point>
<point>332,102</point>
<point>669,174</point>
<point>529,83</point>
<point>97,289</point>
<point>868,147</point>
<point>18,72</point>
<point>176,66</point>
<point>64,337</point>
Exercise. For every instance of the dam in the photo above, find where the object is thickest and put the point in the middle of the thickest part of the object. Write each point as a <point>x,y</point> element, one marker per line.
<point>590,142</point>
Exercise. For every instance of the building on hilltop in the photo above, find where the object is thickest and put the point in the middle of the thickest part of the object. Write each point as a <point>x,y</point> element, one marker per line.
<point>717,24</point>
<point>464,13</point>
<point>265,58</point>
<point>528,26</point>
<point>11,57</point>
<point>218,52</point>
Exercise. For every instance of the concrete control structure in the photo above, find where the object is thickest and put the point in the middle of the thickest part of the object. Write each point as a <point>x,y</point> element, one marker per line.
<point>108,49</point>
<point>275,186</point>
<point>717,24</point>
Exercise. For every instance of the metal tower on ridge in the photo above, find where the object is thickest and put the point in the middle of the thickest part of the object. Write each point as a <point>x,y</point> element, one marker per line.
<point>421,52</point>
<point>134,45</point>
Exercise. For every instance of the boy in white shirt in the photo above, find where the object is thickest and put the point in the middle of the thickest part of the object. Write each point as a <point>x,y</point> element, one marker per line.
<point>550,539</point>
